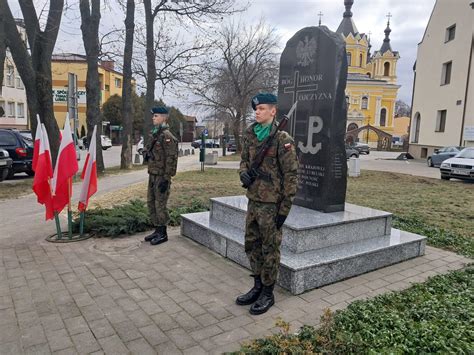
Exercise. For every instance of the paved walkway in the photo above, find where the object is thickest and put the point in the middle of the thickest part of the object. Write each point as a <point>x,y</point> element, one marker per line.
<point>120,296</point>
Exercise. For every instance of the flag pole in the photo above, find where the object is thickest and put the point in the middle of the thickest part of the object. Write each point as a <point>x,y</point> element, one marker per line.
<point>58,225</point>
<point>69,210</point>
<point>81,224</point>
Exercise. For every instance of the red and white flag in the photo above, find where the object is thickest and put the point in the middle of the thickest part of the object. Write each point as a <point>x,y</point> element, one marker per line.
<point>36,146</point>
<point>66,167</point>
<point>89,174</point>
<point>43,171</point>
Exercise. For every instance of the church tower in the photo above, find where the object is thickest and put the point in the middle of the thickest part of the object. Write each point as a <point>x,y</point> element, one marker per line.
<point>371,89</point>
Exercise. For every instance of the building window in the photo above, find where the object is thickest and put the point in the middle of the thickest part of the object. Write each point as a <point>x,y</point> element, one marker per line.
<point>416,130</point>
<point>118,83</point>
<point>19,83</point>
<point>446,73</point>
<point>20,110</point>
<point>386,69</point>
<point>441,121</point>
<point>424,153</point>
<point>361,58</point>
<point>10,76</point>
<point>348,100</point>
<point>349,58</point>
<point>11,109</point>
<point>365,103</point>
<point>450,33</point>
<point>383,117</point>
<point>2,108</point>
<point>107,87</point>
<point>368,74</point>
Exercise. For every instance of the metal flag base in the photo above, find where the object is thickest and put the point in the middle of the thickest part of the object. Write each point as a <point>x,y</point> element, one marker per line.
<point>65,238</point>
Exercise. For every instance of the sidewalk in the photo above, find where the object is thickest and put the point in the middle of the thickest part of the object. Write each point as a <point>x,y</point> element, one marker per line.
<point>120,296</point>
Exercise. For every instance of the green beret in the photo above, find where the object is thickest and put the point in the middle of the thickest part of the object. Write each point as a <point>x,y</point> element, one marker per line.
<point>160,109</point>
<point>263,98</point>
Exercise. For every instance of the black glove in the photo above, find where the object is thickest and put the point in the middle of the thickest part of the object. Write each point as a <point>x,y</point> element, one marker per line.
<point>279,220</point>
<point>245,179</point>
<point>163,186</point>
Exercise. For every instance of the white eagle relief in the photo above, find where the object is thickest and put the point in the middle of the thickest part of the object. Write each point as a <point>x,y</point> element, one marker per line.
<point>305,51</point>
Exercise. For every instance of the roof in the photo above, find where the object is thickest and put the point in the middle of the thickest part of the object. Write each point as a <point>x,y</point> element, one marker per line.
<point>347,25</point>
<point>190,118</point>
<point>362,77</point>
<point>74,57</point>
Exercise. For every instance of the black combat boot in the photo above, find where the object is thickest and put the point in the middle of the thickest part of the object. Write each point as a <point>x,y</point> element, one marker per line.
<point>160,237</point>
<point>251,296</point>
<point>148,238</point>
<point>264,302</point>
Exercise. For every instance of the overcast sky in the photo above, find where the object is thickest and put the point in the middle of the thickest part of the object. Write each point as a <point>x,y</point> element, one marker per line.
<point>408,22</point>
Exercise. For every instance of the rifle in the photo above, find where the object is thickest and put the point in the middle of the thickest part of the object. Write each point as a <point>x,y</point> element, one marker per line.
<point>254,170</point>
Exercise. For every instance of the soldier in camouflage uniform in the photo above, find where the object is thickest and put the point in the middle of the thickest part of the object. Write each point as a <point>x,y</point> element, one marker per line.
<point>161,152</point>
<point>270,197</point>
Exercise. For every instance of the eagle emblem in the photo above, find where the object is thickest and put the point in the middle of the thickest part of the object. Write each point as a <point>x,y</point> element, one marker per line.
<point>305,51</point>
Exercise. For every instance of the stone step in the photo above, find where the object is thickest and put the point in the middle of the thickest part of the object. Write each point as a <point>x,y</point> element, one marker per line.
<point>300,272</point>
<point>306,229</point>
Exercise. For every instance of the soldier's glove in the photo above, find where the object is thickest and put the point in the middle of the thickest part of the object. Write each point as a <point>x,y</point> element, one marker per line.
<point>163,186</point>
<point>245,178</point>
<point>280,220</point>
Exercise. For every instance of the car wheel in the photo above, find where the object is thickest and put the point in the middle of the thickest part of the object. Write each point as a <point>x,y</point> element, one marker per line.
<point>4,174</point>
<point>11,174</point>
<point>429,162</point>
<point>105,148</point>
<point>30,173</point>
<point>443,177</point>
<point>354,156</point>
<point>368,152</point>
<point>140,151</point>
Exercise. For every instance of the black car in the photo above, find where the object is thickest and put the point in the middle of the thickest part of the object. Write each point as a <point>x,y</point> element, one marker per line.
<point>20,150</point>
<point>5,164</point>
<point>362,148</point>
<point>351,152</point>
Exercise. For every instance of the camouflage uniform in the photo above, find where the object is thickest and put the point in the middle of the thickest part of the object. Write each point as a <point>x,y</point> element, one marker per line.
<point>162,165</point>
<point>267,199</point>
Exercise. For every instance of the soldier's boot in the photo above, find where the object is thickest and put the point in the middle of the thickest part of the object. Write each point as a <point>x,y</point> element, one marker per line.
<point>161,237</point>
<point>264,302</point>
<point>251,296</point>
<point>149,237</point>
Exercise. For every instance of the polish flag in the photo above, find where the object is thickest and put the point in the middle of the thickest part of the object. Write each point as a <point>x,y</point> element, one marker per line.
<point>36,147</point>
<point>43,171</point>
<point>89,174</point>
<point>66,167</point>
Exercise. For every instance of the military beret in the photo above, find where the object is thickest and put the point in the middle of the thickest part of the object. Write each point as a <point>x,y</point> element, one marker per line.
<point>263,98</point>
<point>159,109</point>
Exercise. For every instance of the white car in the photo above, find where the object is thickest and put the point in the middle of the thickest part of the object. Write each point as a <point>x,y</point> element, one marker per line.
<point>105,142</point>
<point>459,167</point>
<point>140,146</point>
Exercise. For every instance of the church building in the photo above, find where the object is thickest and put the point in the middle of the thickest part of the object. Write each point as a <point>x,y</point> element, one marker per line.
<point>372,88</point>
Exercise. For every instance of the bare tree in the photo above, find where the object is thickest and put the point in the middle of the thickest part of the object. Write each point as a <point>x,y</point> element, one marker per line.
<point>127,114</point>
<point>247,63</point>
<point>402,109</point>
<point>34,66</point>
<point>90,19</point>
<point>197,12</point>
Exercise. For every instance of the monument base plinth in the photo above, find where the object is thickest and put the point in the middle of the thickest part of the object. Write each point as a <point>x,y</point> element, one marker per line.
<point>317,249</point>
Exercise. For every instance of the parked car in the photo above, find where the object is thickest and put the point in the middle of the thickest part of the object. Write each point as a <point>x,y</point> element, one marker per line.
<point>5,164</point>
<point>362,148</point>
<point>210,143</point>
<point>459,167</point>
<point>140,145</point>
<point>231,146</point>
<point>105,142</point>
<point>441,155</point>
<point>20,150</point>
<point>351,152</point>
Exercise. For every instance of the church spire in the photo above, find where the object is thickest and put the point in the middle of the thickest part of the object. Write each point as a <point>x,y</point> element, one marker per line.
<point>347,25</point>
<point>386,41</point>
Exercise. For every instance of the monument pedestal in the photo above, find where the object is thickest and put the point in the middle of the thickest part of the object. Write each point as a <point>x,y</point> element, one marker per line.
<point>317,248</point>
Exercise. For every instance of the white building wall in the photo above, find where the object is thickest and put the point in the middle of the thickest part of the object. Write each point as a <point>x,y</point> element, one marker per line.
<point>429,95</point>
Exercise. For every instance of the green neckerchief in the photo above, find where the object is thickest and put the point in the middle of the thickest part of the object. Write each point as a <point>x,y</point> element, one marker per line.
<point>156,129</point>
<point>262,131</point>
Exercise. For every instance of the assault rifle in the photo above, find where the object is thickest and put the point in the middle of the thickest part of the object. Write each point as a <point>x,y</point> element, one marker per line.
<point>254,170</point>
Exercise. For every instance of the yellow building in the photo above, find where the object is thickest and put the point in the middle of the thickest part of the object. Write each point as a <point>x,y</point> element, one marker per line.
<point>63,64</point>
<point>371,89</point>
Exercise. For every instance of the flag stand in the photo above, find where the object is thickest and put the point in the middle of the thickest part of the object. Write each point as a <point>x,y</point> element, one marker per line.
<point>58,225</point>
<point>81,224</point>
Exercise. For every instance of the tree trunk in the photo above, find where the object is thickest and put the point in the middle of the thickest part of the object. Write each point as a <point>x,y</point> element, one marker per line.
<point>90,19</point>
<point>127,114</point>
<point>236,130</point>
<point>151,70</point>
<point>35,69</point>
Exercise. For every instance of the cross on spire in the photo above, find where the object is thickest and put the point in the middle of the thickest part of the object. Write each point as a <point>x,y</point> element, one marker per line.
<point>320,15</point>
<point>389,15</point>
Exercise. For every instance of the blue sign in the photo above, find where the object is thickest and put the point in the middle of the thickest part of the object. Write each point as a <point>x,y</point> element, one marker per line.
<point>206,132</point>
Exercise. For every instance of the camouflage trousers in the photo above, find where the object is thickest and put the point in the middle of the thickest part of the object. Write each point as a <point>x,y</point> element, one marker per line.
<point>263,240</point>
<point>157,201</point>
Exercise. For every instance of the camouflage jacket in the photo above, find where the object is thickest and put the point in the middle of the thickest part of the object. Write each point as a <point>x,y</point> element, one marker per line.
<point>163,159</point>
<point>281,163</point>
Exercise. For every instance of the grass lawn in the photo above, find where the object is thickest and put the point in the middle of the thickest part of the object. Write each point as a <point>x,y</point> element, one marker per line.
<point>230,157</point>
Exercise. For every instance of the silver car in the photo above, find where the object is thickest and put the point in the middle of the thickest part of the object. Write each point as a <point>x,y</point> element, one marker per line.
<point>459,167</point>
